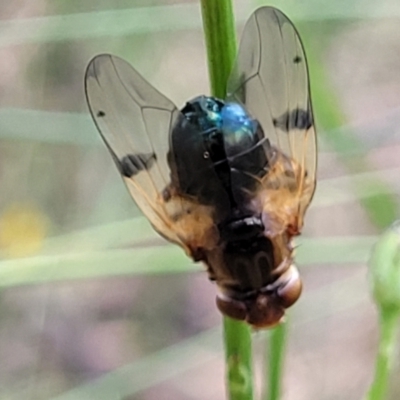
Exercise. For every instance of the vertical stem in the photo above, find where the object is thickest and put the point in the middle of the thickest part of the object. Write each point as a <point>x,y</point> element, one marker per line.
<point>276,352</point>
<point>387,353</point>
<point>219,31</point>
<point>238,359</point>
<point>220,36</point>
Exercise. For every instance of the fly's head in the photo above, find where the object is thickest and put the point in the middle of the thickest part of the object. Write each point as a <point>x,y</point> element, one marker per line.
<point>256,284</point>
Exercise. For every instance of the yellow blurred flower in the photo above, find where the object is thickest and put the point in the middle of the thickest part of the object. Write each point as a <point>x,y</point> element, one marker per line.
<point>23,228</point>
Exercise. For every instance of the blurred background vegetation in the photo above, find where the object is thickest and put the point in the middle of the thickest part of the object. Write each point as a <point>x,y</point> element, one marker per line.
<point>93,303</point>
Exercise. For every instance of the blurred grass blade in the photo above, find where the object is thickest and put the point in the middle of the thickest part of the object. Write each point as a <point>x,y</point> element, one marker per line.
<point>164,259</point>
<point>142,20</point>
<point>109,23</point>
<point>48,127</point>
<point>94,265</point>
<point>151,370</point>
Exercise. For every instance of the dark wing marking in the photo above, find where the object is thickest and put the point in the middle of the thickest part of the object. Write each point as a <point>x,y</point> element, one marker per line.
<point>271,79</point>
<point>135,121</point>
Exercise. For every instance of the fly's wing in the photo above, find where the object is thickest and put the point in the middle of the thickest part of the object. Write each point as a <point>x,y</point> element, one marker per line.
<point>271,79</point>
<point>135,121</point>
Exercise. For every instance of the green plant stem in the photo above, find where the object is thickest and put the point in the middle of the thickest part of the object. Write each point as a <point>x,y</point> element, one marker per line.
<point>387,353</point>
<point>219,31</point>
<point>220,36</point>
<point>237,338</point>
<point>276,352</point>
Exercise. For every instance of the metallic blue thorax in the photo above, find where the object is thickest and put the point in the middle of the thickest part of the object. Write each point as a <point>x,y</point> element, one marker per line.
<point>229,119</point>
<point>216,150</point>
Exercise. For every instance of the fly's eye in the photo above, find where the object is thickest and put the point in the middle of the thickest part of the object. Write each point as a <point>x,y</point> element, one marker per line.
<point>290,286</point>
<point>232,308</point>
